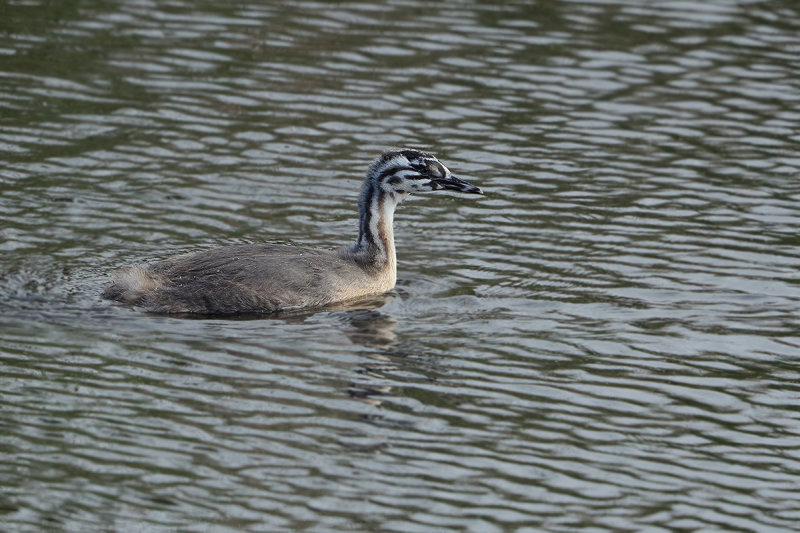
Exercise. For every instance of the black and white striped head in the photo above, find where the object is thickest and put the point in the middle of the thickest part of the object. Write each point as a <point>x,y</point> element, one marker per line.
<point>401,172</point>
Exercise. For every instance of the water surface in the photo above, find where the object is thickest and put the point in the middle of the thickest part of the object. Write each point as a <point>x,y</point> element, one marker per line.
<point>607,341</point>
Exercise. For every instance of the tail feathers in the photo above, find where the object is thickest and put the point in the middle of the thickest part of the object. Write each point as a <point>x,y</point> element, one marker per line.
<point>132,286</point>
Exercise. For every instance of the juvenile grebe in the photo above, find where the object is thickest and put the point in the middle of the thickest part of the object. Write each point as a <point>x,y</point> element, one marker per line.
<point>263,278</point>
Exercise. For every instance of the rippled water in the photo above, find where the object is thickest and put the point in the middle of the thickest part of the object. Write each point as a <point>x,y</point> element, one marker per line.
<point>608,341</point>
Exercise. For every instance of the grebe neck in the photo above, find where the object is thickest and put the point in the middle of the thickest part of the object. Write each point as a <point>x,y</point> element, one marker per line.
<point>375,245</point>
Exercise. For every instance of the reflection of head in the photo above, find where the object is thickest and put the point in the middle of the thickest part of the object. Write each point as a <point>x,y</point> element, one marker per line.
<point>371,328</point>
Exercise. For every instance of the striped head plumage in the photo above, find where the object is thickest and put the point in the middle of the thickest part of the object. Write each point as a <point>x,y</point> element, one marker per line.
<point>404,171</point>
<point>390,179</point>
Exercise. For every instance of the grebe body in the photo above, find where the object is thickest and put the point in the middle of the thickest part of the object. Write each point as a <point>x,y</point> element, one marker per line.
<point>264,278</point>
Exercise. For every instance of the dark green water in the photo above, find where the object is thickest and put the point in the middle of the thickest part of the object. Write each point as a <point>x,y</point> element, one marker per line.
<point>608,341</point>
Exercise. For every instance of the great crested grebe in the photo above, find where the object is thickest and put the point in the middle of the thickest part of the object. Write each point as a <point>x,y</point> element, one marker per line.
<point>264,278</point>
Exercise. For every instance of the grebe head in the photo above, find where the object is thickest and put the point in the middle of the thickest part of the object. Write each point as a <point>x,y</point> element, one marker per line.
<point>400,172</point>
